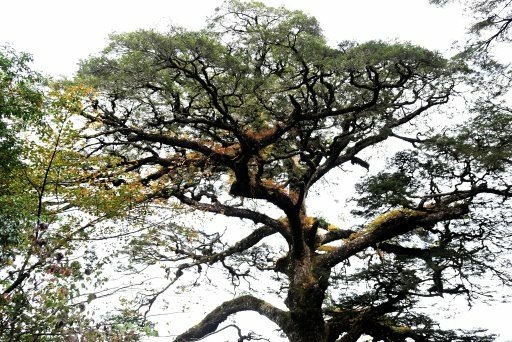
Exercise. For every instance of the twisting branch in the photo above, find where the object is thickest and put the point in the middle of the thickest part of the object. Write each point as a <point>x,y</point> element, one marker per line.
<point>393,224</point>
<point>242,213</point>
<point>244,244</point>
<point>245,303</point>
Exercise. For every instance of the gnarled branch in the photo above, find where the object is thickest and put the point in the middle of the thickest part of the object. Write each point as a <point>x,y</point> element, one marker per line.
<point>387,226</point>
<point>245,303</point>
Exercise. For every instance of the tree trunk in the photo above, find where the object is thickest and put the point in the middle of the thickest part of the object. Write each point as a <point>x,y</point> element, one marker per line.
<point>305,297</point>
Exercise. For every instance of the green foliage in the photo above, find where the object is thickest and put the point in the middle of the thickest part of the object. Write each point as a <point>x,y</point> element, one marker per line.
<point>385,189</point>
<point>484,141</point>
<point>377,52</point>
<point>21,101</point>
<point>41,285</point>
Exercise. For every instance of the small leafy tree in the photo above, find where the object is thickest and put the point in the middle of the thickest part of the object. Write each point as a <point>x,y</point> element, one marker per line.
<point>245,119</point>
<point>45,280</point>
<point>37,278</point>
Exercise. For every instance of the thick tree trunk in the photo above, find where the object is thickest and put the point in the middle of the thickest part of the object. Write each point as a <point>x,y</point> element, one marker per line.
<point>305,297</point>
<point>307,329</point>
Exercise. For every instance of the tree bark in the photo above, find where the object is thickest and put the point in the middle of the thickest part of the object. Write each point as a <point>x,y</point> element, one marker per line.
<point>305,297</point>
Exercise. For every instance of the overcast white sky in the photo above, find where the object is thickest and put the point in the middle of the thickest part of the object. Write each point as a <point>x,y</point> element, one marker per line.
<point>61,32</point>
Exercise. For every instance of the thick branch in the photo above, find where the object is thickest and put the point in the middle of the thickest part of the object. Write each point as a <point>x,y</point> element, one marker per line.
<point>19,280</point>
<point>242,213</point>
<point>134,134</point>
<point>387,226</point>
<point>244,244</point>
<point>334,235</point>
<point>245,303</point>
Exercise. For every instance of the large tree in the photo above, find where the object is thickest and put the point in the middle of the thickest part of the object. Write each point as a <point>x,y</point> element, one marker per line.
<point>246,118</point>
